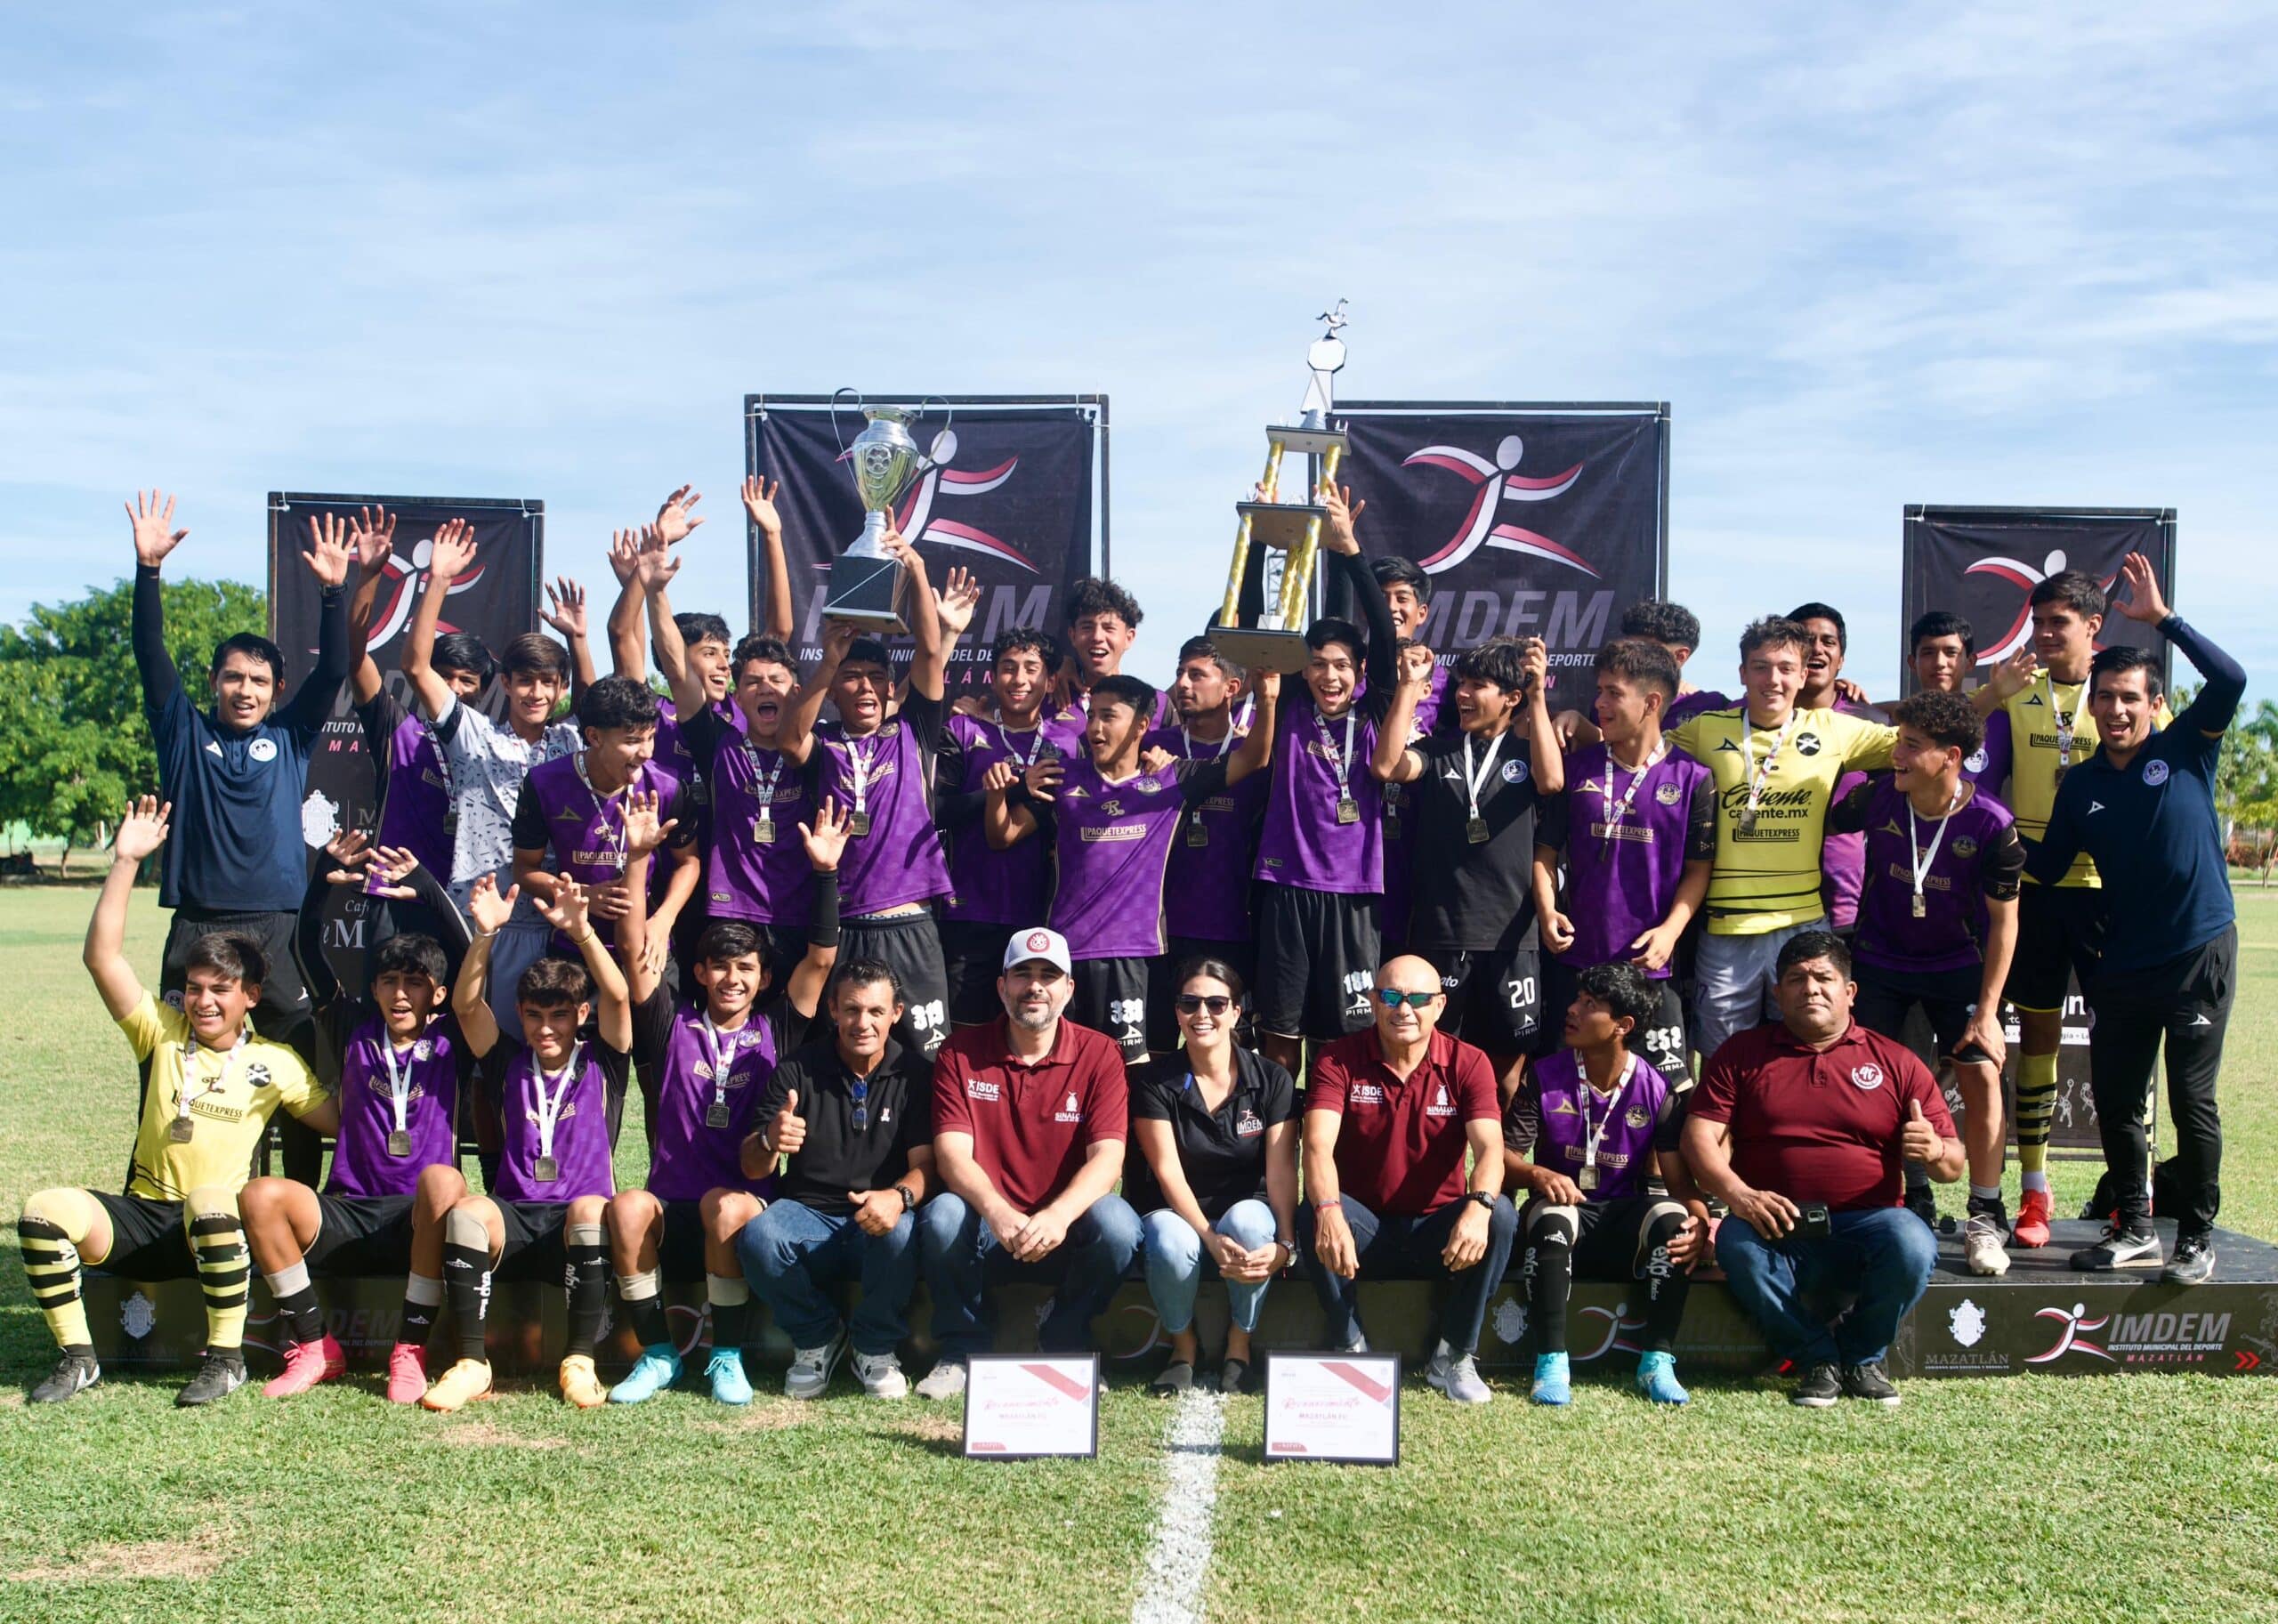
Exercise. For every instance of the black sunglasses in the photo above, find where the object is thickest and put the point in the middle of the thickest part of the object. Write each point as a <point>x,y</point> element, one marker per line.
<point>1216,1003</point>
<point>1393,997</point>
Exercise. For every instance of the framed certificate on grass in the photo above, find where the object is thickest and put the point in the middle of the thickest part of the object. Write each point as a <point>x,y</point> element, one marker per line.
<point>1333,1407</point>
<point>1018,1406</point>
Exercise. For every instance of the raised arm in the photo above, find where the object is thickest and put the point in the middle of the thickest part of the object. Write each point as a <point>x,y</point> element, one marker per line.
<point>372,539</point>
<point>1342,538</point>
<point>566,911</point>
<point>656,567</point>
<point>2217,700</point>
<point>565,612</point>
<point>759,502</point>
<point>152,514</point>
<point>1542,734</point>
<point>1396,760</point>
<point>471,997</point>
<point>311,706</point>
<point>796,737</point>
<point>449,555</point>
<point>141,833</point>
<point>825,840</point>
<point>929,669</point>
<point>624,628</point>
<point>1257,751</point>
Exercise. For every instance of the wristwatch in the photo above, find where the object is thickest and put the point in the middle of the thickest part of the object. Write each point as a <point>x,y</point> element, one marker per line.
<point>909,1200</point>
<point>1483,1198</point>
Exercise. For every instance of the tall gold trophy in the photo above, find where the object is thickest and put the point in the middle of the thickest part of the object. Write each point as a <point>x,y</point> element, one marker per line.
<point>1276,639</point>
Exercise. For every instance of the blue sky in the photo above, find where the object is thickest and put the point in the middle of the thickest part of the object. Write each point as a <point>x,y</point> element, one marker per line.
<point>1872,255</point>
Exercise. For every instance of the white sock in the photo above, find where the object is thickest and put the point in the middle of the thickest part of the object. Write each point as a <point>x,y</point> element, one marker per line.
<point>2036,1181</point>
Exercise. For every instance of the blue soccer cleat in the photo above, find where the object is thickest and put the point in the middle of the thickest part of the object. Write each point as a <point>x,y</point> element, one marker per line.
<point>657,1369</point>
<point>725,1372</point>
<point>1657,1378</point>
<point>1553,1382</point>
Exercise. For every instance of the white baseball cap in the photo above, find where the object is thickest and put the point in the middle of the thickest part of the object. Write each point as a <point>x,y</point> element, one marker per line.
<point>1049,945</point>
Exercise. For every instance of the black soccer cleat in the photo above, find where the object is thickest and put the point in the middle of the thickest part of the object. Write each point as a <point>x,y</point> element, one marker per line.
<point>222,1373</point>
<point>73,1375</point>
<point>1868,1382</point>
<point>2193,1262</point>
<point>1820,1386</point>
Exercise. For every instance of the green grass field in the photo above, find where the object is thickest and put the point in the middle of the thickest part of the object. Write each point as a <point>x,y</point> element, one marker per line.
<point>2022,1498</point>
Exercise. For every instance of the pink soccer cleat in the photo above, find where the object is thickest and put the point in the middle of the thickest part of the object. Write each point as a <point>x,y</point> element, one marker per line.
<point>406,1373</point>
<point>307,1363</point>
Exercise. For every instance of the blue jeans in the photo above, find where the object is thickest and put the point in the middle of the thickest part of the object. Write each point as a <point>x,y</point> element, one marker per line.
<point>1176,1263</point>
<point>962,1259</point>
<point>1401,1247</point>
<point>1885,1255</point>
<point>790,1252</point>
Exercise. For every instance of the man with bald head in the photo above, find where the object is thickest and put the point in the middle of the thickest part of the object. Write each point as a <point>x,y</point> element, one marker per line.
<point>1390,1112</point>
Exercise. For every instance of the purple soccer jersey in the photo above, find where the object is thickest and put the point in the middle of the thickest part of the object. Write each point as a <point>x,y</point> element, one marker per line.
<point>1570,1110</point>
<point>898,858</point>
<point>1206,897</point>
<point>1400,818</point>
<point>1988,765</point>
<point>1009,888</point>
<point>1843,858</point>
<point>691,1156</point>
<point>1622,872</point>
<point>1693,704</point>
<point>362,1165</point>
<point>1110,851</point>
<point>1318,766</point>
<point>1978,852</point>
<point>415,813</point>
<point>586,828</point>
<point>755,868</point>
<point>582,1154</point>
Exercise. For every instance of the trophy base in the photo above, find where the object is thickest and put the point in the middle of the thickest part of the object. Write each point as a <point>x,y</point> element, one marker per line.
<point>1262,650</point>
<point>1280,524</point>
<point>864,591</point>
<point>1307,442</point>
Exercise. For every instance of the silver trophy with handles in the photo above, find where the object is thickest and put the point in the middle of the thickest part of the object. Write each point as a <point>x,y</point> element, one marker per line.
<point>865,580</point>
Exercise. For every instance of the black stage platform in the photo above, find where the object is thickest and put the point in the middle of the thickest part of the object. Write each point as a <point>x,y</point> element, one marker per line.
<point>2041,1316</point>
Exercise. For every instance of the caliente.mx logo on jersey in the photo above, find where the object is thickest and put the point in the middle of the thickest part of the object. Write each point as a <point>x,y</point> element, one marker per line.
<point>1498,481</point>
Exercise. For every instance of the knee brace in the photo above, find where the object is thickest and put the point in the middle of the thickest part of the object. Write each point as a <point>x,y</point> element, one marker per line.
<point>461,1228</point>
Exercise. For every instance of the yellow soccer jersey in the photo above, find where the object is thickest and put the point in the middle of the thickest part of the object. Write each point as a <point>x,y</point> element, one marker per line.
<point>1766,875</point>
<point>2043,720</point>
<point>232,1095</point>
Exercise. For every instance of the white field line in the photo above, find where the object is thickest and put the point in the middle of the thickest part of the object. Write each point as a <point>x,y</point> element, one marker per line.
<point>1170,1591</point>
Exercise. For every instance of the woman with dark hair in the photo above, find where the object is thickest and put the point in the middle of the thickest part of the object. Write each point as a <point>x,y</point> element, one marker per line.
<point>1216,1129</point>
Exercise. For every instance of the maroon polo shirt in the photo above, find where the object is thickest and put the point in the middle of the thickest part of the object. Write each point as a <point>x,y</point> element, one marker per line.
<point>1031,1123</point>
<point>1819,1125</point>
<point>1400,1150</point>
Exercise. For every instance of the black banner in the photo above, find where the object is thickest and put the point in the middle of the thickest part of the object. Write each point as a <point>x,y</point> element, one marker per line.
<point>1542,521</point>
<point>1982,562</point>
<point>496,601</point>
<point>1011,499</point>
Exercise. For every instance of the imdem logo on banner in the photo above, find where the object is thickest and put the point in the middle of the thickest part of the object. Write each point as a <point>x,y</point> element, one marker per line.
<point>2024,577</point>
<point>916,520</point>
<point>1497,482</point>
<point>2158,1337</point>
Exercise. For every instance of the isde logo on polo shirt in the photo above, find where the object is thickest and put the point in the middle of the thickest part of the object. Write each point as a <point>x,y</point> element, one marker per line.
<point>1868,1075</point>
<point>982,1088</point>
<point>1365,1093</point>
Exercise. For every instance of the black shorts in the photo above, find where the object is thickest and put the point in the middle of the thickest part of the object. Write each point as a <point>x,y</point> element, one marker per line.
<point>2060,936</point>
<point>1111,997</point>
<point>1494,998</point>
<point>1947,997</point>
<point>908,945</point>
<point>972,956</point>
<point>1162,989</point>
<point>1612,1244</point>
<point>534,1247</point>
<point>1317,956</point>
<point>148,1240</point>
<point>680,1248</point>
<point>1663,1040</point>
<point>361,1235</point>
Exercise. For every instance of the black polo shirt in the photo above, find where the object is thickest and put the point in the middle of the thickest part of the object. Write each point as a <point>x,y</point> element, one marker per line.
<point>1222,1152</point>
<point>836,1159</point>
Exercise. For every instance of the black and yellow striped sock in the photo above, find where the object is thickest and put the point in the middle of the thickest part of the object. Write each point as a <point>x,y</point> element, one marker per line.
<point>2036,1105</point>
<point>51,1269</point>
<point>217,1245</point>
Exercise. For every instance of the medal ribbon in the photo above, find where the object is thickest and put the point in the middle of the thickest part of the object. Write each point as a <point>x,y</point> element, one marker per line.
<point>2066,726</point>
<point>549,1109</point>
<point>721,1064</point>
<point>602,803</point>
<point>1616,811</point>
<point>1342,760</point>
<point>1917,859</point>
<point>1760,772</point>
<point>1472,780</point>
<point>190,1064</point>
<point>1036,741</point>
<point>1593,1134</point>
<point>1225,745</point>
<point>860,766</point>
<point>763,788</point>
<point>398,1080</point>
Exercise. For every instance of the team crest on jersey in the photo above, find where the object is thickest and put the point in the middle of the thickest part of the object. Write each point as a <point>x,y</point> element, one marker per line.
<point>1250,1125</point>
<point>1637,1116</point>
<point>1515,773</point>
<point>2155,773</point>
<point>262,749</point>
<point>1964,847</point>
<point>1147,786</point>
<point>1113,809</point>
<point>1868,1075</point>
<point>1807,744</point>
<point>257,1074</point>
<point>1974,762</point>
<point>1666,794</point>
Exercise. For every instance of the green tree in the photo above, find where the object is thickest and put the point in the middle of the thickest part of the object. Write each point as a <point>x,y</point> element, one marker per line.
<point>73,742</point>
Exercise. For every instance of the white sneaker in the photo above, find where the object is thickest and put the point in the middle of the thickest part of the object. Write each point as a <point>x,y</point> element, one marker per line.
<point>1458,1378</point>
<point>811,1368</point>
<point>1981,1248</point>
<point>945,1380</point>
<point>880,1375</point>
